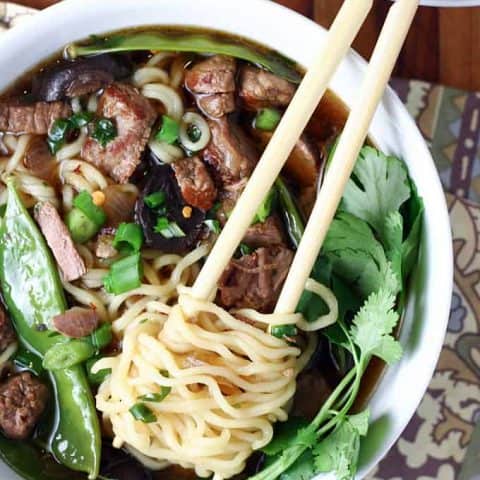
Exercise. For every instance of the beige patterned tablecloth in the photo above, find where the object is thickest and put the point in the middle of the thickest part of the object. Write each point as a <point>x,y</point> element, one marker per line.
<point>435,443</point>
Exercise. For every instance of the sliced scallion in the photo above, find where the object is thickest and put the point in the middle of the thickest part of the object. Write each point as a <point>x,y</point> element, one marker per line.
<point>169,132</point>
<point>102,336</point>
<point>81,228</point>
<point>156,397</point>
<point>266,207</point>
<point>84,202</point>
<point>168,229</point>
<point>125,275</point>
<point>267,119</point>
<point>156,199</point>
<point>142,413</point>
<point>213,225</point>
<point>282,331</point>
<point>129,238</point>
<point>104,131</point>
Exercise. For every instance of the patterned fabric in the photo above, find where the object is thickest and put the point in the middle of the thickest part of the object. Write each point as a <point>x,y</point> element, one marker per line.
<point>434,445</point>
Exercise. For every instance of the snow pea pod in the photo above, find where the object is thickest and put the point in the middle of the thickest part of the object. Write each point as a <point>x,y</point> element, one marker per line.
<point>34,295</point>
<point>187,42</point>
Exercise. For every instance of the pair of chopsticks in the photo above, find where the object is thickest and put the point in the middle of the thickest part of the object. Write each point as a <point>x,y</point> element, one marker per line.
<point>341,35</point>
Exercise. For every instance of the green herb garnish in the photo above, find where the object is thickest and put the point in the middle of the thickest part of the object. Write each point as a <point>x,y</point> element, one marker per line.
<point>142,413</point>
<point>104,131</point>
<point>168,229</point>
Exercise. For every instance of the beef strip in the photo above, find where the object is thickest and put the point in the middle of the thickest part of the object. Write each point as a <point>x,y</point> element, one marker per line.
<point>212,82</point>
<point>230,153</point>
<point>134,116</point>
<point>254,281</point>
<point>265,234</point>
<point>60,242</point>
<point>196,184</point>
<point>76,322</point>
<point>260,89</point>
<point>22,401</point>
<point>35,118</point>
<point>7,335</point>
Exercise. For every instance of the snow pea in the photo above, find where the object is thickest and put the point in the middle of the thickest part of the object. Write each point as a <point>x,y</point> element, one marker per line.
<point>34,295</point>
<point>187,42</point>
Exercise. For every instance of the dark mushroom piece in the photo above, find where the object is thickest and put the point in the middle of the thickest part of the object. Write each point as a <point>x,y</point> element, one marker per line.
<point>74,78</point>
<point>162,178</point>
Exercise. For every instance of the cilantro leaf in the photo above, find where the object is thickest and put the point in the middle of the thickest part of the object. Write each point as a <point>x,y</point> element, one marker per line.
<point>339,451</point>
<point>411,244</point>
<point>379,186</point>
<point>302,469</point>
<point>357,257</point>
<point>285,435</point>
<point>393,243</point>
<point>373,325</point>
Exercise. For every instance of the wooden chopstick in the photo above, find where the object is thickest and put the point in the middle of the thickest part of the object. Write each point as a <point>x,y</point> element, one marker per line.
<point>341,35</point>
<point>351,141</point>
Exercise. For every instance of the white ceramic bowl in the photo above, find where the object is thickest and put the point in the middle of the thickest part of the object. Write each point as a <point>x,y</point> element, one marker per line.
<point>403,385</point>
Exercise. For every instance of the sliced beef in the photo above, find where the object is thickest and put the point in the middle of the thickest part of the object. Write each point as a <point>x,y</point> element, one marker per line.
<point>60,242</point>
<point>22,401</point>
<point>304,162</point>
<point>230,153</point>
<point>79,77</point>
<point>35,118</point>
<point>196,184</point>
<point>254,281</point>
<point>7,335</point>
<point>134,116</point>
<point>212,82</point>
<point>260,89</point>
<point>76,322</point>
<point>265,234</point>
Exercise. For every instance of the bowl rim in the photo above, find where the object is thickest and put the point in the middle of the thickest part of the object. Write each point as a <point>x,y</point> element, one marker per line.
<point>398,131</point>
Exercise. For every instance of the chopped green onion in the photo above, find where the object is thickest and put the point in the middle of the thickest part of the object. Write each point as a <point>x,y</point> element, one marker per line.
<point>142,413</point>
<point>102,336</point>
<point>66,355</point>
<point>266,207</point>
<point>168,229</point>
<point>84,202</point>
<point>194,133</point>
<point>156,397</point>
<point>282,331</point>
<point>155,200</point>
<point>245,249</point>
<point>104,131</point>
<point>125,275</point>
<point>81,119</point>
<point>212,213</point>
<point>169,132</point>
<point>213,225</point>
<point>96,379</point>
<point>267,119</point>
<point>129,238</point>
<point>58,133</point>
<point>81,228</point>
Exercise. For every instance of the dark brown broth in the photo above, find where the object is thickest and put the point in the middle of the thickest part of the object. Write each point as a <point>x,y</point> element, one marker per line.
<point>327,121</point>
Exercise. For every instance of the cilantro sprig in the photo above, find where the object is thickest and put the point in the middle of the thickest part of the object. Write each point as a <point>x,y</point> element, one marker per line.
<point>333,437</point>
<point>370,250</point>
